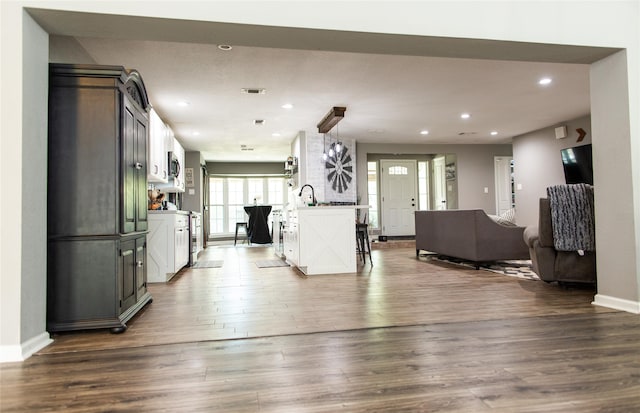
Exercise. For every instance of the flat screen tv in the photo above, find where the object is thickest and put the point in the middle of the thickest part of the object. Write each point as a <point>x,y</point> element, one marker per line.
<point>578,165</point>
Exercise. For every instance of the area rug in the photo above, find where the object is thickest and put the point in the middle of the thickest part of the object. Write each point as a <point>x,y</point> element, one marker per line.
<point>208,264</point>
<point>512,268</point>
<point>271,263</point>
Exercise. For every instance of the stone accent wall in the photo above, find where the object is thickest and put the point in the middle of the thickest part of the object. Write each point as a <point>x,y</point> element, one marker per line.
<point>317,171</point>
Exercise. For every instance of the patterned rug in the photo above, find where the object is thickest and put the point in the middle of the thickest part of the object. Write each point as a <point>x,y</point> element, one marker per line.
<point>208,264</point>
<point>512,268</point>
<point>271,263</point>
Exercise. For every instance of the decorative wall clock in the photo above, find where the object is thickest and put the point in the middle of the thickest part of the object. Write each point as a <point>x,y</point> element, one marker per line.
<point>339,169</point>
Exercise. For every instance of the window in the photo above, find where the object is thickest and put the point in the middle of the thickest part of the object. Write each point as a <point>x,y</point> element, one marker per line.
<point>216,204</point>
<point>229,195</point>
<point>372,190</point>
<point>398,170</point>
<point>236,202</point>
<point>256,190</point>
<point>423,185</point>
<point>275,193</point>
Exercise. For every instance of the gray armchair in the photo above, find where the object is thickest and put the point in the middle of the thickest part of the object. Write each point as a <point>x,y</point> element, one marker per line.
<point>554,265</point>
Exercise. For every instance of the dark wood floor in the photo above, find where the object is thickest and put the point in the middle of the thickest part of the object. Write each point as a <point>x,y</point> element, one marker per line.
<point>404,335</point>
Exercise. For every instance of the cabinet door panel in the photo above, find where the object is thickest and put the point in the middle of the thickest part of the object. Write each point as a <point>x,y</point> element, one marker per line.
<point>140,166</point>
<point>127,274</point>
<point>128,170</point>
<point>82,156</point>
<point>141,266</point>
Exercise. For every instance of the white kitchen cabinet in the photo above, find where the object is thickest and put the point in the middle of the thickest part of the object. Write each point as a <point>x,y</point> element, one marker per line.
<point>167,244</point>
<point>290,239</point>
<point>278,232</point>
<point>157,150</point>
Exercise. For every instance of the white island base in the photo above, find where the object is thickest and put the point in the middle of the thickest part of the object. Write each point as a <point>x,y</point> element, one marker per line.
<point>322,240</point>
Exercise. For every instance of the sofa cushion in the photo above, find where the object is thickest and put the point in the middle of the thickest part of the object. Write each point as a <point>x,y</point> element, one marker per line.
<point>507,218</point>
<point>545,229</point>
<point>530,235</point>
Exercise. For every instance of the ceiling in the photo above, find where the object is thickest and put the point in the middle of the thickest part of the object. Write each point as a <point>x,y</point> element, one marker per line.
<point>391,92</point>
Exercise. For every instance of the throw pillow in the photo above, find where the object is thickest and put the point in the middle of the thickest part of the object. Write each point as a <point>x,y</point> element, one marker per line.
<point>509,216</point>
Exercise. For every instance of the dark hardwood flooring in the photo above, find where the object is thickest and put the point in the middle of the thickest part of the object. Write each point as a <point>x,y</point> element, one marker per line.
<point>403,335</point>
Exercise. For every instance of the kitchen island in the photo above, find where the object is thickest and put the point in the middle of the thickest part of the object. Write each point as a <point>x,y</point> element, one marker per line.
<point>322,239</point>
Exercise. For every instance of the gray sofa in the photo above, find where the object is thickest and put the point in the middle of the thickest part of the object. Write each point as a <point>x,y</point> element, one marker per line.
<point>470,235</point>
<point>551,264</point>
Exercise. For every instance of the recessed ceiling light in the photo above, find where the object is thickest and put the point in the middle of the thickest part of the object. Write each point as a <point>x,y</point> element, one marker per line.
<point>183,103</point>
<point>544,81</point>
<point>465,116</point>
<point>287,106</point>
<point>275,134</point>
<point>494,133</point>
<point>196,133</point>
<point>225,47</point>
<point>424,132</point>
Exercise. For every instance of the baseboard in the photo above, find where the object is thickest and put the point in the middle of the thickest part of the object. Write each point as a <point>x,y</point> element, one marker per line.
<point>617,303</point>
<point>21,352</point>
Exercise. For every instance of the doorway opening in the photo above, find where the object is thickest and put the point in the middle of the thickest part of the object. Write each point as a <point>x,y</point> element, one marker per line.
<point>398,185</point>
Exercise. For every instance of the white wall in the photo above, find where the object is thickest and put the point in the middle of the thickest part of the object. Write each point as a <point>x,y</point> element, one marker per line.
<point>605,23</point>
<point>537,165</point>
<point>616,212</point>
<point>193,201</point>
<point>66,49</point>
<point>23,198</point>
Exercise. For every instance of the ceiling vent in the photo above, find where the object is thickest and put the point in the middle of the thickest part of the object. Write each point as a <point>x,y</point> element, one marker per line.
<point>258,122</point>
<point>467,133</point>
<point>245,148</point>
<point>254,91</point>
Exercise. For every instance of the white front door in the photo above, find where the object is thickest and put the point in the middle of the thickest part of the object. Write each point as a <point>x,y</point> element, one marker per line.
<point>504,186</point>
<point>439,184</point>
<point>398,183</point>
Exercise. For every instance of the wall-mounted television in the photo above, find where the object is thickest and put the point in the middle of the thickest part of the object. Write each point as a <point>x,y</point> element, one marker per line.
<point>578,165</point>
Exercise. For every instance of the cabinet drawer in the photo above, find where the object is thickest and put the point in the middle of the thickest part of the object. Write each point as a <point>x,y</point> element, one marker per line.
<point>182,221</point>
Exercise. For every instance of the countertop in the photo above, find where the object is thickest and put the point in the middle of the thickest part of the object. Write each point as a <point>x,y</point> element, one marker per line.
<point>167,211</point>
<point>335,207</point>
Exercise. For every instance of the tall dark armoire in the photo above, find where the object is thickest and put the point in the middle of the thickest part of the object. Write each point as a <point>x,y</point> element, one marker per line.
<point>97,197</point>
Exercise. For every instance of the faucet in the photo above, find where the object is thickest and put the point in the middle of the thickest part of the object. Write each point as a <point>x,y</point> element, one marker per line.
<point>313,195</point>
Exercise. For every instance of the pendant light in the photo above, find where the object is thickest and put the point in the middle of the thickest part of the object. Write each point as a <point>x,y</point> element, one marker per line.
<point>338,142</point>
<point>324,147</point>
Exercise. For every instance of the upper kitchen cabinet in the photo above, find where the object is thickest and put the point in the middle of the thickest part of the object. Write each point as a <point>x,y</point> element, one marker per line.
<point>157,154</point>
<point>97,197</point>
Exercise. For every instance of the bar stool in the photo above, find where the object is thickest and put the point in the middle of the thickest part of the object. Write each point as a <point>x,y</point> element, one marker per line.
<point>246,232</point>
<point>362,240</point>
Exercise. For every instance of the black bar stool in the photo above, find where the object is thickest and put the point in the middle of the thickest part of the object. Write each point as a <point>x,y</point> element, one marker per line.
<point>362,240</point>
<point>246,232</point>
